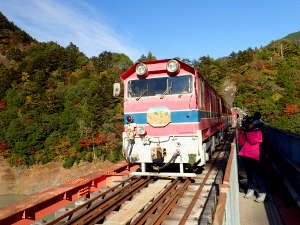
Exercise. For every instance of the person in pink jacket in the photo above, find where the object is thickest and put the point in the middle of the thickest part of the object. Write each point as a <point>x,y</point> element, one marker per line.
<point>250,140</point>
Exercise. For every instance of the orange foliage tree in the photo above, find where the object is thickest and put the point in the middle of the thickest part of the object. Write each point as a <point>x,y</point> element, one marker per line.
<point>291,109</point>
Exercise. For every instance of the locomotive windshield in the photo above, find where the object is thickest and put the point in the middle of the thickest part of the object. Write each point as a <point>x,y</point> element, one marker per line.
<point>160,86</point>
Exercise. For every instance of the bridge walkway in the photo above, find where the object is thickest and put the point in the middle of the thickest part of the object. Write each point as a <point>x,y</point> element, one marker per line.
<point>280,160</point>
<point>252,213</point>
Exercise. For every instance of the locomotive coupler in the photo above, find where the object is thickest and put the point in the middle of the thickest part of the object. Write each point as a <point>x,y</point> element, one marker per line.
<point>158,153</point>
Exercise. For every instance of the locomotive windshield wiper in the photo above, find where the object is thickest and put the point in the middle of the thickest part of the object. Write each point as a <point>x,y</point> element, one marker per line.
<point>168,89</point>
<point>143,93</point>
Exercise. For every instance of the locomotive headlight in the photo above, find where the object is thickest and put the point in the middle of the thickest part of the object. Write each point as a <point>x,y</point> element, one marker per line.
<point>141,131</point>
<point>172,66</point>
<point>141,69</point>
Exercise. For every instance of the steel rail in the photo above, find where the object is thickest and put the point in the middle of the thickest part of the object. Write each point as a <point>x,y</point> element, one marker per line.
<point>165,202</point>
<point>146,213</point>
<point>169,204</point>
<point>89,202</point>
<point>106,206</point>
<point>197,195</point>
<point>161,206</point>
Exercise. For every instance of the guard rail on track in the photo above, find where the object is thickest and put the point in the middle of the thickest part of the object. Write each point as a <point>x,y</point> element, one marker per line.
<point>42,204</point>
<point>227,212</point>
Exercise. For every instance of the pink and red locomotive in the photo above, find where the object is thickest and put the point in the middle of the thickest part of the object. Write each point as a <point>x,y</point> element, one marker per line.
<point>172,117</point>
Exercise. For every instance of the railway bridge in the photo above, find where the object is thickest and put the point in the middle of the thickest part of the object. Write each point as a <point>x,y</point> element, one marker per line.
<point>215,196</point>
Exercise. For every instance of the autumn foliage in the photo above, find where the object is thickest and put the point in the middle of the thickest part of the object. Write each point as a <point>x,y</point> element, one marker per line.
<point>291,109</point>
<point>2,104</point>
<point>97,140</point>
<point>2,146</point>
<point>267,80</point>
<point>56,103</point>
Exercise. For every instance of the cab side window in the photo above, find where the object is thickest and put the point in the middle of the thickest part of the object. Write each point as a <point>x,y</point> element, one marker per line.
<point>202,93</point>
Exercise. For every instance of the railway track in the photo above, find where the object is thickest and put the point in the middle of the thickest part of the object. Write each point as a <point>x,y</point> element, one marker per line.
<point>149,200</point>
<point>100,204</point>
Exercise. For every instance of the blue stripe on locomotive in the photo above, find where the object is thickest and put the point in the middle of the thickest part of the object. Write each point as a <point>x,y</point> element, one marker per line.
<point>189,116</point>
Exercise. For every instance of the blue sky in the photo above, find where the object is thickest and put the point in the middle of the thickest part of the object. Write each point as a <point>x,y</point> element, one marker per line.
<point>188,29</point>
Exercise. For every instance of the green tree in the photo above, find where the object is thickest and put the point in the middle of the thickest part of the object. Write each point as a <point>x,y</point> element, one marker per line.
<point>6,78</point>
<point>149,57</point>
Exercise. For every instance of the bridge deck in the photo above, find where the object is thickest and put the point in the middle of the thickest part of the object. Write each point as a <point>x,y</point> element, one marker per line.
<point>251,212</point>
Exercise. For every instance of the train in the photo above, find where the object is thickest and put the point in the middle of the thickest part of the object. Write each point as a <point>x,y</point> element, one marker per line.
<point>173,119</point>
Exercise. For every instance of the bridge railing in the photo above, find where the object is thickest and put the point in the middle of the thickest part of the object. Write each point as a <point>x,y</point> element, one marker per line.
<point>227,211</point>
<point>287,144</point>
<point>283,150</point>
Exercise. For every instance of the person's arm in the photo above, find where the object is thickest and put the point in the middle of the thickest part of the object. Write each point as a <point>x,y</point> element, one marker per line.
<point>254,137</point>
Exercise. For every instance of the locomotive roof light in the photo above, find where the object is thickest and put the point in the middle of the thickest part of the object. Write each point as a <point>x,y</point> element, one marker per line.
<point>173,66</point>
<point>141,69</point>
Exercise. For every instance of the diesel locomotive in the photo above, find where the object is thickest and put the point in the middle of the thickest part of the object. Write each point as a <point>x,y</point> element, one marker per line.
<point>172,118</point>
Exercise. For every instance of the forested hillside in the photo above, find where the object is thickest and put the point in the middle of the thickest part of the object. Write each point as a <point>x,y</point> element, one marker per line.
<point>267,80</point>
<point>295,37</point>
<point>56,103</point>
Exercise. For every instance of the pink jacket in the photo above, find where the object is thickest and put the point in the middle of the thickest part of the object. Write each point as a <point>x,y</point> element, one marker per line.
<point>250,142</point>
